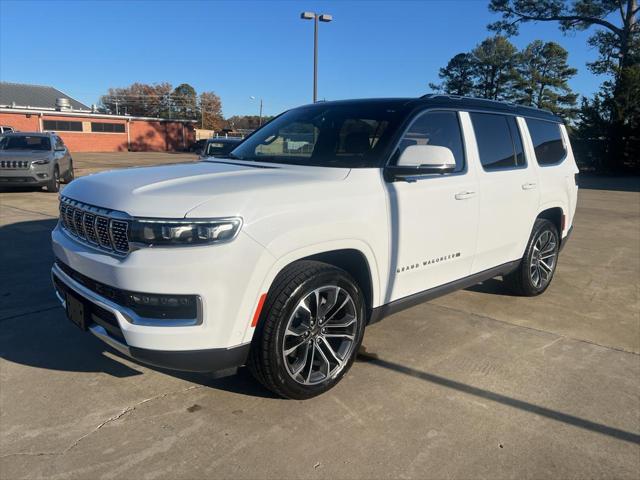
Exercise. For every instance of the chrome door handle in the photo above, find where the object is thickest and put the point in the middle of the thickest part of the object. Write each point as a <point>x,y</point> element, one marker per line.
<point>529,185</point>
<point>464,195</point>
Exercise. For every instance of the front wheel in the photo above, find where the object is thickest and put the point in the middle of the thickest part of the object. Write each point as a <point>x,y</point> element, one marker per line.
<point>310,330</point>
<point>68,178</point>
<point>539,262</point>
<point>53,185</point>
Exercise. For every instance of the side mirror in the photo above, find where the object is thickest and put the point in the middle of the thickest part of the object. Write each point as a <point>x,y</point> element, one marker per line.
<point>417,160</point>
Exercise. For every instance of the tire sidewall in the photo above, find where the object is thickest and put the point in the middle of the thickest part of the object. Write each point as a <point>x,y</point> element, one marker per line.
<point>540,228</point>
<point>331,277</point>
<point>70,173</point>
<point>54,183</point>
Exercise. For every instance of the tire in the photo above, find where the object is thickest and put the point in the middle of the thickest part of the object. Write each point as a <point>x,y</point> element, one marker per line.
<point>535,273</point>
<point>70,175</point>
<point>291,321</point>
<point>53,185</point>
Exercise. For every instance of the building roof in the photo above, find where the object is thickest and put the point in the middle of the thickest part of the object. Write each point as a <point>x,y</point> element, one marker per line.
<point>34,96</point>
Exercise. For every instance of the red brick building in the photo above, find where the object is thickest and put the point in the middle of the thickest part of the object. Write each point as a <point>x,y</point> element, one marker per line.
<point>36,108</point>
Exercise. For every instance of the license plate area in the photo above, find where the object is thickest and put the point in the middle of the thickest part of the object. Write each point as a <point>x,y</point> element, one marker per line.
<point>77,311</point>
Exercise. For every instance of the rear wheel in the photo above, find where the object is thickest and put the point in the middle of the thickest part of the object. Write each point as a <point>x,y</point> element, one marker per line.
<point>538,265</point>
<point>53,185</point>
<point>310,330</point>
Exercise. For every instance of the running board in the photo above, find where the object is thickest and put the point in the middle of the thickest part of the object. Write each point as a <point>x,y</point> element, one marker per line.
<point>396,306</point>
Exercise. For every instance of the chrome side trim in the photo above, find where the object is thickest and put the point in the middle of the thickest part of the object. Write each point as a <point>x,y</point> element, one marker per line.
<point>124,313</point>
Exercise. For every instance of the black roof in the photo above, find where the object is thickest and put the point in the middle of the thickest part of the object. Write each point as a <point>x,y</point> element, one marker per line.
<point>454,101</point>
<point>35,96</point>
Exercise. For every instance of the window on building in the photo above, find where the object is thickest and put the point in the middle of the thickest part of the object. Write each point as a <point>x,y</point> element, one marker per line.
<point>62,126</point>
<point>436,128</point>
<point>547,141</point>
<point>499,142</point>
<point>103,127</point>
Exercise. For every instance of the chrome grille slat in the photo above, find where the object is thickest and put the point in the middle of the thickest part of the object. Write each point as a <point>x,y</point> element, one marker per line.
<point>78,219</point>
<point>119,235</point>
<point>97,227</point>
<point>102,230</point>
<point>89,227</point>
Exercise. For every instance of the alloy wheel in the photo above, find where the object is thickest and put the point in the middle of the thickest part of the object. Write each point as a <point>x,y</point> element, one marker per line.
<point>320,335</point>
<point>543,259</point>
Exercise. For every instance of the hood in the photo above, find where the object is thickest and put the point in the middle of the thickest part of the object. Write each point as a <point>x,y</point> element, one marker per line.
<point>171,191</point>
<point>24,154</point>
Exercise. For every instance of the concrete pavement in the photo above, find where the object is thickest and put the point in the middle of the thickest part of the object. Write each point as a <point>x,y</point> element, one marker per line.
<point>478,384</point>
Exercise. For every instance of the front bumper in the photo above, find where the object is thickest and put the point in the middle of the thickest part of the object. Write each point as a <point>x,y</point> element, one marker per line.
<point>35,175</point>
<point>104,317</point>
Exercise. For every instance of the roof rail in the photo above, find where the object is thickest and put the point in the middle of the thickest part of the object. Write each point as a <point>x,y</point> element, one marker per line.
<point>464,97</point>
<point>480,99</point>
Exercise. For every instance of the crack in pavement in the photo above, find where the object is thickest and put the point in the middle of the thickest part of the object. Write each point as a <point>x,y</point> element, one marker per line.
<point>119,415</point>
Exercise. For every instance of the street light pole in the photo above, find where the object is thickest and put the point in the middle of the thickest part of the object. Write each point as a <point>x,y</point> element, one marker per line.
<point>260,118</point>
<point>323,17</point>
<point>315,58</point>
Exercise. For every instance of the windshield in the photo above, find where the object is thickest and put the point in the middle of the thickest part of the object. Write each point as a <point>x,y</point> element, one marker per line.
<point>338,135</point>
<point>219,148</point>
<point>25,142</point>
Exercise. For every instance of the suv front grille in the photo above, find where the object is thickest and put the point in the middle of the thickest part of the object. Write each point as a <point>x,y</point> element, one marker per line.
<point>22,164</point>
<point>96,226</point>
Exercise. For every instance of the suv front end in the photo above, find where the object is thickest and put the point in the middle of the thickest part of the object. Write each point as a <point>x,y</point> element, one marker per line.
<point>166,292</point>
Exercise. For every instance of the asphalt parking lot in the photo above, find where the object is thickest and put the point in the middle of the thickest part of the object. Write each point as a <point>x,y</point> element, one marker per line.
<point>477,384</point>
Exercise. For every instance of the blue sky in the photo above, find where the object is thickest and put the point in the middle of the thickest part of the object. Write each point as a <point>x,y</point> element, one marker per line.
<point>259,48</point>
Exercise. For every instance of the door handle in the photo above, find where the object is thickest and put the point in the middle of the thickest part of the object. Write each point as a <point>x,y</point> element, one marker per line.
<point>529,185</point>
<point>464,195</point>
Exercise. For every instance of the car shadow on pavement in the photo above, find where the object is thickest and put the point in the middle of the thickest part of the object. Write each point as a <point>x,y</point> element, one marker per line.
<point>35,332</point>
<point>374,359</point>
<point>493,286</point>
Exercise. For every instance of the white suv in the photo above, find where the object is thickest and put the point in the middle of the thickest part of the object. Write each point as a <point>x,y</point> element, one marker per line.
<point>327,219</point>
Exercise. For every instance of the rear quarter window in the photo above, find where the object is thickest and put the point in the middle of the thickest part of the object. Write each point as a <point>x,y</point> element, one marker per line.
<point>547,141</point>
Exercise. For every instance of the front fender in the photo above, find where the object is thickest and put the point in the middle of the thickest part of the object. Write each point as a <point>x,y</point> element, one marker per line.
<point>315,249</point>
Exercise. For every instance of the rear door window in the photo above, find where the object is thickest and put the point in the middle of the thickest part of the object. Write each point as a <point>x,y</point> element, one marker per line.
<point>547,141</point>
<point>499,142</point>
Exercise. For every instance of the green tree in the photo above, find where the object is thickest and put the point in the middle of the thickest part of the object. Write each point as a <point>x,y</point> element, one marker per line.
<point>494,61</point>
<point>542,75</point>
<point>617,41</point>
<point>458,76</point>
<point>184,99</point>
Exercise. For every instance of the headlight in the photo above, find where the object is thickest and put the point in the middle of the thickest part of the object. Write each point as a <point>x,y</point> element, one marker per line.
<point>44,161</point>
<point>150,231</point>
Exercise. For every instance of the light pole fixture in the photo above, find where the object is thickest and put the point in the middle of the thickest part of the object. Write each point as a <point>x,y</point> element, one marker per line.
<point>316,17</point>
<point>260,118</point>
